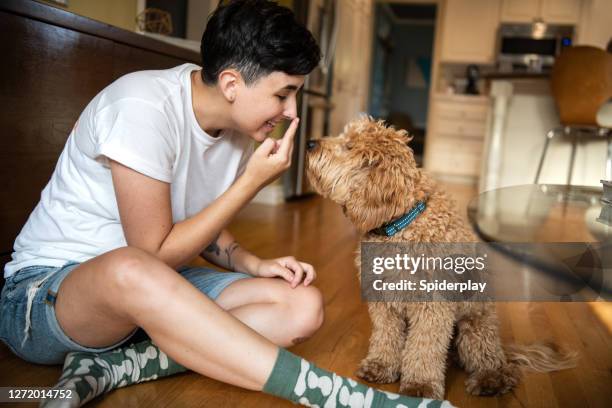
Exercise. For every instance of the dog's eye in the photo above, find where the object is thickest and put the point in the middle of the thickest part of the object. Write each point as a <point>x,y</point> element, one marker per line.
<point>349,145</point>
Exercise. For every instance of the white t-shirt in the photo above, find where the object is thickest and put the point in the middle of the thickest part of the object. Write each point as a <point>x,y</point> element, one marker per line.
<point>145,121</point>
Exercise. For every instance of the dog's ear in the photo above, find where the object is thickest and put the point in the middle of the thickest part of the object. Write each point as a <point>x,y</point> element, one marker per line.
<point>378,195</point>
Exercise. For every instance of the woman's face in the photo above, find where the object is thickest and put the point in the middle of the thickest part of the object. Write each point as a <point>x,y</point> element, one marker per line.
<point>259,107</point>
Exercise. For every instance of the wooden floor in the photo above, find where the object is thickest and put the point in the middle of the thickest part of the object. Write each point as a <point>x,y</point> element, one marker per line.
<point>314,230</point>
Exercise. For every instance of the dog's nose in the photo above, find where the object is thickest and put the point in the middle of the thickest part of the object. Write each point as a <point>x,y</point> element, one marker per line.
<point>312,144</point>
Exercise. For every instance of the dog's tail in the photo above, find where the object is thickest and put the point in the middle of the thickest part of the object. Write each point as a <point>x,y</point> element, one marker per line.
<point>541,357</point>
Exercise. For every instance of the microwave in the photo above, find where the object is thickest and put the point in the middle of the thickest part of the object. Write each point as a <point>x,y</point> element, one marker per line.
<point>531,47</point>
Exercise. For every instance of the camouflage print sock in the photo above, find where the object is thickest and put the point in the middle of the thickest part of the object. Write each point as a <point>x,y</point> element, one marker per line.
<point>297,380</point>
<point>91,374</point>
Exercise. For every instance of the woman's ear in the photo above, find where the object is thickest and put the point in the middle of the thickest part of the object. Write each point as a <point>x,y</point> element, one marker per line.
<point>229,81</point>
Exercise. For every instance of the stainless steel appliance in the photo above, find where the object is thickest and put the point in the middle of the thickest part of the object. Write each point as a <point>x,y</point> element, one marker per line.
<point>531,47</point>
<point>314,104</point>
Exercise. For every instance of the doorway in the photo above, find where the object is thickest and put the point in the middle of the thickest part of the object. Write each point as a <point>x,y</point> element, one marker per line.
<point>401,67</point>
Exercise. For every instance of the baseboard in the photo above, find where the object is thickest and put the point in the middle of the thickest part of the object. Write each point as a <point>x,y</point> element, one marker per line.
<point>272,195</point>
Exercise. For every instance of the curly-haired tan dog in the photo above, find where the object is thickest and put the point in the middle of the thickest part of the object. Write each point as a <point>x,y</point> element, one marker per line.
<point>371,172</point>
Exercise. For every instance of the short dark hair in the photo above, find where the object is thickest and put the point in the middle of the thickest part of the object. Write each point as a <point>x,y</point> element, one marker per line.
<point>256,37</point>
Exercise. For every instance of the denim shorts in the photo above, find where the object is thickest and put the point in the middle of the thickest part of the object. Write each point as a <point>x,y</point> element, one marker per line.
<point>28,324</point>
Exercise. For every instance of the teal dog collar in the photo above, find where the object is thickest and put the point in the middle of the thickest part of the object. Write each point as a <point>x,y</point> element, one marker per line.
<point>402,222</point>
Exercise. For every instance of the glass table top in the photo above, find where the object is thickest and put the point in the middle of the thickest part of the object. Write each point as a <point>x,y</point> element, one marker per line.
<point>541,213</point>
<point>544,226</point>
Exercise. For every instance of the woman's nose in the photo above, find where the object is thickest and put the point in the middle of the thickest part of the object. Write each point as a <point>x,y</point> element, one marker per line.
<point>291,108</point>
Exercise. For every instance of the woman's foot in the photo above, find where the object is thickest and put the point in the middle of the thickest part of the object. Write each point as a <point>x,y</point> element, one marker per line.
<point>89,375</point>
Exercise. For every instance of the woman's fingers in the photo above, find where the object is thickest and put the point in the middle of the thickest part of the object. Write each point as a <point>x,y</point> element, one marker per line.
<point>284,273</point>
<point>286,145</point>
<point>272,157</point>
<point>276,146</point>
<point>310,273</point>
<point>266,147</point>
<point>293,271</point>
<point>298,272</point>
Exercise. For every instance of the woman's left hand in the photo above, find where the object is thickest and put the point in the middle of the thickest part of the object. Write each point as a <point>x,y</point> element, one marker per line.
<point>288,268</point>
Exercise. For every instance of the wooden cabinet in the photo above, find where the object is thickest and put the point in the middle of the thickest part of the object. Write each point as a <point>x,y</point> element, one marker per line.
<point>469,31</point>
<point>469,27</point>
<point>561,11</point>
<point>551,11</point>
<point>520,11</point>
<point>456,135</point>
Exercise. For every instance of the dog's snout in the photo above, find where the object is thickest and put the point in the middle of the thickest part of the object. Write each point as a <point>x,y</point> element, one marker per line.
<point>312,144</point>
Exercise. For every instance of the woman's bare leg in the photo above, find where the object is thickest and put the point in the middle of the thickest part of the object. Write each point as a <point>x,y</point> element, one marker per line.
<point>272,308</point>
<point>104,299</point>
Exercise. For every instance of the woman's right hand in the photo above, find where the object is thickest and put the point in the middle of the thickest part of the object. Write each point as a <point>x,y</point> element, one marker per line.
<point>271,158</point>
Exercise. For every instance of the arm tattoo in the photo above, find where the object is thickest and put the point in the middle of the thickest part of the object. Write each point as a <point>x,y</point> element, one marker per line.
<point>214,247</point>
<point>229,251</point>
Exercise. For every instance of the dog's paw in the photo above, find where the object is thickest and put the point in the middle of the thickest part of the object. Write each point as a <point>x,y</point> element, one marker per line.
<point>375,371</point>
<point>423,390</point>
<point>493,382</point>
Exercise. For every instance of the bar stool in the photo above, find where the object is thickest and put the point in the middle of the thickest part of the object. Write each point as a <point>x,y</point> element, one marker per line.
<point>581,83</point>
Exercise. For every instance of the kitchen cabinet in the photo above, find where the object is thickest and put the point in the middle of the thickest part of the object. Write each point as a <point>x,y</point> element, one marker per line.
<point>456,135</point>
<point>469,31</point>
<point>520,11</point>
<point>561,11</point>
<point>551,11</point>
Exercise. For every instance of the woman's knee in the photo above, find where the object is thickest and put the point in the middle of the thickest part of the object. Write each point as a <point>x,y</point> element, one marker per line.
<point>306,308</point>
<point>132,270</point>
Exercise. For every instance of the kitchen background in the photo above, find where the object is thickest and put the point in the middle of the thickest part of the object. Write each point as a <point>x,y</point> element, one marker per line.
<point>434,67</point>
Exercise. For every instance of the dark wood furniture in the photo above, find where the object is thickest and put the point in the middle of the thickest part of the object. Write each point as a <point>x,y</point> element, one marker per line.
<point>55,62</point>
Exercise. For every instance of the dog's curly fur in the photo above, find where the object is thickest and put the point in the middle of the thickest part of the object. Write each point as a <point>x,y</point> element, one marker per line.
<point>370,171</point>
